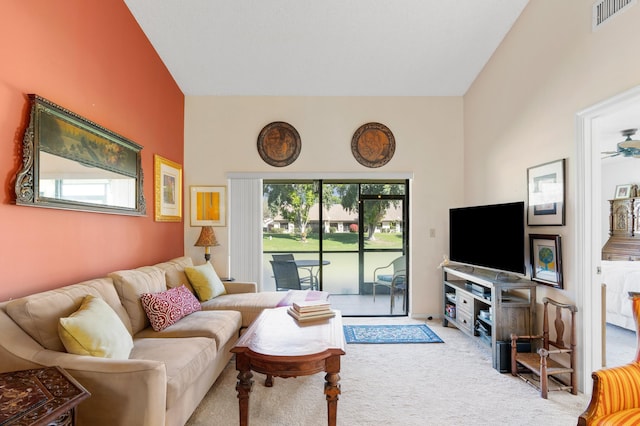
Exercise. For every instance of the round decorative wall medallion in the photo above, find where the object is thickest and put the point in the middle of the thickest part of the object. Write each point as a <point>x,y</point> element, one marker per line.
<point>279,144</point>
<point>373,145</point>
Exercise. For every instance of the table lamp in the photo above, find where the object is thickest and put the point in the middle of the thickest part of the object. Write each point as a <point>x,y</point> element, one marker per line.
<point>207,239</point>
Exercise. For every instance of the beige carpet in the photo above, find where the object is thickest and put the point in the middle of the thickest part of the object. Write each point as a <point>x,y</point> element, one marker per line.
<point>413,384</point>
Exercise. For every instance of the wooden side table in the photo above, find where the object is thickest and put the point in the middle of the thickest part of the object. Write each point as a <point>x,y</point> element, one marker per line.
<point>41,396</point>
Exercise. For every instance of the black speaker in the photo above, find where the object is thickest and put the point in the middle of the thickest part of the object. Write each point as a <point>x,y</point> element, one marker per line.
<point>503,352</point>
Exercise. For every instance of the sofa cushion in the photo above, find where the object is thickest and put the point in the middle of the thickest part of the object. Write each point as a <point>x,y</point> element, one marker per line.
<point>250,305</point>
<point>219,325</point>
<point>167,307</point>
<point>185,360</point>
<point>131,284</point>
<point>174,272</point>
<point>95,330</point>
<point>38,314</point>
<point>205,281</point>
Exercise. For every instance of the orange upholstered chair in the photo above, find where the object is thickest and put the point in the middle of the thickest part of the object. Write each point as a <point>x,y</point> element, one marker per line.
<point>616,391</point>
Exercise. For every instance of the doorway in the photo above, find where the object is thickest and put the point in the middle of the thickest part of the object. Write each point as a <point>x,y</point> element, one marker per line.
<point>352,233</point>
<point>590,128</point>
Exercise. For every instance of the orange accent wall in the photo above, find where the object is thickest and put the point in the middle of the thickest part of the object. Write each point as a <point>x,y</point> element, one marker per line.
<point>92,58</point>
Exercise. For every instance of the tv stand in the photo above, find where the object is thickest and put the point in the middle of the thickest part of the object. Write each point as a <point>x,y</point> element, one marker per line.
<point>505,277</point>
<point>483,306</point>
<point>464,268</point>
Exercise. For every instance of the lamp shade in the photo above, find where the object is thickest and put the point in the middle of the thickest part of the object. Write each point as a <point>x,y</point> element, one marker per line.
<point>207,237</point>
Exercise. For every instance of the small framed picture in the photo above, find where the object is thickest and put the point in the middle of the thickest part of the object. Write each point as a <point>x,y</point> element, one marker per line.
<point>168,190</point>
<point>546,259</point>
<point>622,191</point>
<point>546,188</point>
<point>208,205</point>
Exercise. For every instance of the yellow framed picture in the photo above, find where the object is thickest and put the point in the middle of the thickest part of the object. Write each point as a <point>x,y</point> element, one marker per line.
<point>168,190</point>
<point>208,205</point>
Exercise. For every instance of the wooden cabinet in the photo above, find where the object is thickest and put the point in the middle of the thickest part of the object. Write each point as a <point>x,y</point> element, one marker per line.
<point>41,396</point>
<point>624,230</point>
<point>483,305</point>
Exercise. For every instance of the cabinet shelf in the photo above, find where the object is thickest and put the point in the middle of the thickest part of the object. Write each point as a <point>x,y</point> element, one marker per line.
<point>485,320</point>
<point>485,339</point>
<point>512,305</point>
<point>508,299</point>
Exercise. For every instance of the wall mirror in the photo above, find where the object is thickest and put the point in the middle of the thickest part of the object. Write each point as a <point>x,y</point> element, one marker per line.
<point>69,162</point>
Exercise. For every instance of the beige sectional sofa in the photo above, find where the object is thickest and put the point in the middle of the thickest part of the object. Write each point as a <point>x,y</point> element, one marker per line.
<point>167,372</point>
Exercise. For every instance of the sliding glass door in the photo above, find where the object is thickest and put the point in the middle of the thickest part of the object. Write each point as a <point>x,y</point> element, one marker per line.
<point>340,235</point>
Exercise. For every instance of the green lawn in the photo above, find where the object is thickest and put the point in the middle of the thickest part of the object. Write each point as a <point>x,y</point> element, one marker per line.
<point>346,241</point>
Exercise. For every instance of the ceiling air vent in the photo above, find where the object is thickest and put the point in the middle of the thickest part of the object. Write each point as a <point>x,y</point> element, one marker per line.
<point>604,10</point>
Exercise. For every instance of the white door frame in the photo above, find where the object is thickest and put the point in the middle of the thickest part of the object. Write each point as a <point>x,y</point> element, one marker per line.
<point>588,237</point>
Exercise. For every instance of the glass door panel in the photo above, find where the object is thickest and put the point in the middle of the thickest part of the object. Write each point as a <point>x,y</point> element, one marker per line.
<point>383,248</point>
<point>340,240</point>
<point>289,229</point>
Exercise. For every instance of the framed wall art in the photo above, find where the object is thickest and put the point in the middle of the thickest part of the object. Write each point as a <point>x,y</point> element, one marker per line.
<point>168,190</point>
<point>373,145</point>
<point>208,205</point>
<point>279,144</point>
<point>546,259</point>
<point>546,194</point>
<point>622,191</point>
<point>72,163</point>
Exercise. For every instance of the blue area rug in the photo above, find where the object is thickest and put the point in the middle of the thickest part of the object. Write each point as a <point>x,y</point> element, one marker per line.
<point>414,333</point>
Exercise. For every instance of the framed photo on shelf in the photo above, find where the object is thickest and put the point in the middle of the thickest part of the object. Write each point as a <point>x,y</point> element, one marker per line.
<point>208,205</point>
<point>168,190</point>
<point>622,191</point>
<point>546,194</point>
<point>546,259</point>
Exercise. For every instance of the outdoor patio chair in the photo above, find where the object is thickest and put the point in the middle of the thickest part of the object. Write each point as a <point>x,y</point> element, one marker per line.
<point>395,279</point>
<point>287,256</point>
<point>287,277</point>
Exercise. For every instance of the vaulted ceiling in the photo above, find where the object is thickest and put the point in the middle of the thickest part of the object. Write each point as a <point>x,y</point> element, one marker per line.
<point>325,48</point>
<point>335,47</point>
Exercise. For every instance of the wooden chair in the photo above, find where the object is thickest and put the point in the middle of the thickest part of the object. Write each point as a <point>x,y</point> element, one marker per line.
<point>541,363</point>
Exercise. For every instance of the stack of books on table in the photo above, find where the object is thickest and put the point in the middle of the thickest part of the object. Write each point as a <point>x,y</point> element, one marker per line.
<point>311,311</point>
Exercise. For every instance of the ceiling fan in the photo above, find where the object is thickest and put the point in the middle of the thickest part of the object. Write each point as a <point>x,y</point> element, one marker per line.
<point>627,148</point>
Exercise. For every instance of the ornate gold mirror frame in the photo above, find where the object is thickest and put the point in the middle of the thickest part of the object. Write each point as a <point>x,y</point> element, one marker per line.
<point>71,163</point>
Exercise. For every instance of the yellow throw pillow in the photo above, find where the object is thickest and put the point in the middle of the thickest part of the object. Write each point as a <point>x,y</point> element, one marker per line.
<point>95,329</point>
<point>205,281</point>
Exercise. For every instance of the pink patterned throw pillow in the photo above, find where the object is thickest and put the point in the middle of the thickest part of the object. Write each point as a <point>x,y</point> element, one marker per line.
<point>166,308</point>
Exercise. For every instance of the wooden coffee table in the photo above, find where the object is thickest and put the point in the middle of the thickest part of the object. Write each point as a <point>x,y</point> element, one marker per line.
<point>277,345</point>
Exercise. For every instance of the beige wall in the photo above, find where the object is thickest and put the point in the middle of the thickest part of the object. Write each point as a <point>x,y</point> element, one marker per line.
<point>520,111</point>
<point>221,135</point>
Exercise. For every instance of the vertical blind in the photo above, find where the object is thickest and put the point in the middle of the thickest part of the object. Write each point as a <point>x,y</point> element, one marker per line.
<point>245,229</point>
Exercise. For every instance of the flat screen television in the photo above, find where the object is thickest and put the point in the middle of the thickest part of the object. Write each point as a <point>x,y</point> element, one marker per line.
<point>489,236</point>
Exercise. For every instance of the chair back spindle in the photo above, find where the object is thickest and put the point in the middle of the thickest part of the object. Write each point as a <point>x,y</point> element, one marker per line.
<point>542,364</point>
